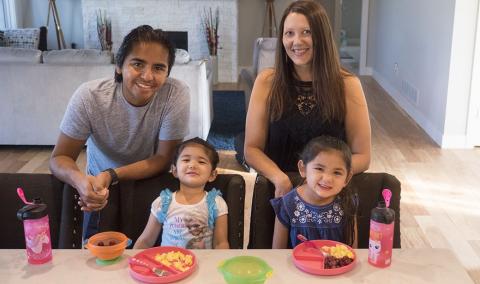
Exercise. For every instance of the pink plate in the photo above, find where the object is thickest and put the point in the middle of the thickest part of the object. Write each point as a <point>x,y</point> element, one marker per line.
<point>145,275</point>
<point>301,254</point>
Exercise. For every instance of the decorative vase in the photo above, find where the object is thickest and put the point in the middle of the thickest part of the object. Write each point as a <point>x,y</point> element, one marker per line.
<point>214,64</point>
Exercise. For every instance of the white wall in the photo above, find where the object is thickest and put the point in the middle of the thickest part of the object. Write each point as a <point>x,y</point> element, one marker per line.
<point>418,38</point>
<point>251,15</point>
<point>185,15</point>
<point>461,68</point>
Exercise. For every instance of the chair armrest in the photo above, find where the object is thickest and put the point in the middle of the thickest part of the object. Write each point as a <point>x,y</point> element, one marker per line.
<point>262,220</point>
<point>72,220</point>
<point>369,187</point>
<point>232,187</point>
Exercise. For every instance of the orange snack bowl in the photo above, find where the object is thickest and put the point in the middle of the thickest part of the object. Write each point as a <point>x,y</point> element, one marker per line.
<point>107,245</point>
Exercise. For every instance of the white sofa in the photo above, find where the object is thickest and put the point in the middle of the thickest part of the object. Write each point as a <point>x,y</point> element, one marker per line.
<point>36,87</point>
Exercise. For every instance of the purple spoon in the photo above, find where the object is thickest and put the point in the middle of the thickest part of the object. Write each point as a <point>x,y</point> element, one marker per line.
<point>22,196</point>
<point>387,195</point>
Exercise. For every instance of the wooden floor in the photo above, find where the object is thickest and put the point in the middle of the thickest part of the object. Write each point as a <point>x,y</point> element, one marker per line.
<point>440,192</point>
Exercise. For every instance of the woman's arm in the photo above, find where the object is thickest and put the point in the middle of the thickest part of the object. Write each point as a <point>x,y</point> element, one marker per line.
<point>220,233</point>
<point>150,234</point>
<point>256,130</point>
<point>280,235</point>
<point>357,125</point>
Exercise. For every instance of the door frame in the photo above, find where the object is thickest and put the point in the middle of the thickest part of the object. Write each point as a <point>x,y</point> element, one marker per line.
<point>362,65</point>
<point>473,120</point>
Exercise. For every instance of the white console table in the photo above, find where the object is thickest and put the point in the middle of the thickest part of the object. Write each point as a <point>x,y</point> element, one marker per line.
<point>195,75</point>
<point>415,266</point>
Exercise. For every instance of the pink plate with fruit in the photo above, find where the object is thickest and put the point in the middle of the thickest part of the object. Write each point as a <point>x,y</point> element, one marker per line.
<point>310,259</point>
<point>154,256</point>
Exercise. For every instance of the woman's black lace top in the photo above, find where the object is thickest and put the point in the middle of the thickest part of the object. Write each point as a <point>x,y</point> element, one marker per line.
<point>299,124</point>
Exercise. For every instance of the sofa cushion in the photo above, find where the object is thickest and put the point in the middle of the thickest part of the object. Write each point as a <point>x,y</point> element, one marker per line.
<point>22,38</point>
<point>20,55</point>
<point>77,56</point>
<point>264,54</point>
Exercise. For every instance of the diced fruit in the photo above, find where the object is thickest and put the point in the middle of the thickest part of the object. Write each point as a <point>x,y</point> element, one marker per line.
<point>339,255</point>
<point>112,243</point>
<point>100,243</point>
<point>333,262</point>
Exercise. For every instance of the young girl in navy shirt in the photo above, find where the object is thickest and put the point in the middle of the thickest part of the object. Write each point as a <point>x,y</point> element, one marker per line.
<point>323,207</point>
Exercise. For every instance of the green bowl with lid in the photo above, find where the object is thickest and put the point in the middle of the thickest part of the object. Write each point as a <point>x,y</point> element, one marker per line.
<point>245,270</point>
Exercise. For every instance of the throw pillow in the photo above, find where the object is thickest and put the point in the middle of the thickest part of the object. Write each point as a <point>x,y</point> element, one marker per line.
<point>22,38</point>
<point>20,55</point>
<point>77,56</point>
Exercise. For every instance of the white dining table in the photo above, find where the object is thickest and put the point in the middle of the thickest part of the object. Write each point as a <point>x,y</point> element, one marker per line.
<point>412,266</point>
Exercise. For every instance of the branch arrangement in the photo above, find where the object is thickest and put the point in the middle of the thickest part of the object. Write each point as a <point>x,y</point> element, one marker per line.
<point>210,23</point>
<point>104,30</point>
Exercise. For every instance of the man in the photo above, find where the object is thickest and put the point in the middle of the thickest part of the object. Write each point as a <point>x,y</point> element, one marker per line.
<point>131,123</point>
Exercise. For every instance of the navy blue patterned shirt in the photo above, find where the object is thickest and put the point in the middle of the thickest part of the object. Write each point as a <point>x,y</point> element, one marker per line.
<point>314,222</point>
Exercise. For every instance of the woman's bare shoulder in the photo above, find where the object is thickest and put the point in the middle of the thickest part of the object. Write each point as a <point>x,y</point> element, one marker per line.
<point>263,82</point>
<point>351,81</point>
<point>266,75</point>
<point>353,88</point>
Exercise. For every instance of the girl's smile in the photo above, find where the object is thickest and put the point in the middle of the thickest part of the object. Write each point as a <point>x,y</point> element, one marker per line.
<point>193,167</point>
<point>297,40</point>
<point>326,176</point>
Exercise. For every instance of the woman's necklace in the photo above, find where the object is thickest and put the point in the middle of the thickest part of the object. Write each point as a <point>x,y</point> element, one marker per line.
<point>305,102</point>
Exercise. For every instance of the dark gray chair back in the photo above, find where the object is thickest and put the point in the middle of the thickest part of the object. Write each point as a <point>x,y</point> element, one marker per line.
<point>129,205</point>
<point>368,186</point>
<point>45,186</point>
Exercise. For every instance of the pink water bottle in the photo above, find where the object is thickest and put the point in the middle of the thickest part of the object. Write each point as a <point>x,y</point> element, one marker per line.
<point>381,236</point>
<point>37,231</point>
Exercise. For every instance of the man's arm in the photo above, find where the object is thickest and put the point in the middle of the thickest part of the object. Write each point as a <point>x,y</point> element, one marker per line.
<point>160,162</point>
<point>63,166</point>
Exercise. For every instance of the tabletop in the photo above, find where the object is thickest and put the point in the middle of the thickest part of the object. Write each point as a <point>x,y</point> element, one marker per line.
<point>79,266</point>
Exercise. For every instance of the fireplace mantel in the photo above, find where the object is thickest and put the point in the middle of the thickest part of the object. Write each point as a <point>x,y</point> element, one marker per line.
<point>171,15</point>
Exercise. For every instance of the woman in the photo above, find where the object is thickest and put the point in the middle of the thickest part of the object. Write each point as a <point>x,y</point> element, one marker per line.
<point>131,123</point>
<point>308,94</point>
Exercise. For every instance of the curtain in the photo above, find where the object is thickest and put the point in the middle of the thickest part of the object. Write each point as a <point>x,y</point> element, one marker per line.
<point>8,17</point>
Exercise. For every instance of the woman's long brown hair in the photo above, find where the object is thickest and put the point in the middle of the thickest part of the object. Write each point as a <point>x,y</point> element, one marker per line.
<point>328,85</point>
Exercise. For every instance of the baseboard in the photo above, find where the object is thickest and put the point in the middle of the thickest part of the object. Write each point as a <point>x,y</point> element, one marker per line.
<point>411,110</point>
<point>456,142</point>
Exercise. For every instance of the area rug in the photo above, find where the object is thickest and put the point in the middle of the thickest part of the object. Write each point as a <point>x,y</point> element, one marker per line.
<point>228,118</point>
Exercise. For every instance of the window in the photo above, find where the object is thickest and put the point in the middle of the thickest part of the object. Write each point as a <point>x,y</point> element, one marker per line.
<point>2,17</point>
<point>8,19</point>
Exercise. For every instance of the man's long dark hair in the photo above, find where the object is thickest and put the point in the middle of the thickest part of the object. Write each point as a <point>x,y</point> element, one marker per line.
<point>348,199</point>
<point>327,84</point>
<point>143,34</point>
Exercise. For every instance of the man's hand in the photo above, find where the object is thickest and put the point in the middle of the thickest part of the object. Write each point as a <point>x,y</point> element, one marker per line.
<point>93,193</point>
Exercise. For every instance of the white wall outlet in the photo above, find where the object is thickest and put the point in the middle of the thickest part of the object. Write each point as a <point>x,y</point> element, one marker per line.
<point>395,68</point>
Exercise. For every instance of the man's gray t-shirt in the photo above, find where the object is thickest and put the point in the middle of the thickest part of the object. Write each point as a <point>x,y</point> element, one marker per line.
<point>119,133</point>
